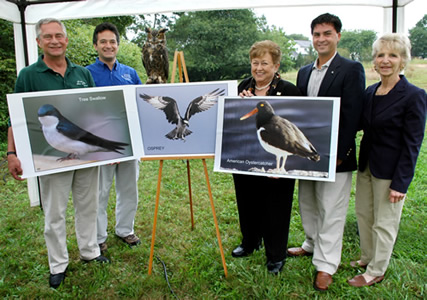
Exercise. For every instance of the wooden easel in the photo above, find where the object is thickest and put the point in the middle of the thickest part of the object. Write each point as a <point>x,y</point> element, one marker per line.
<point>182,69</point>
<point>179,59</point>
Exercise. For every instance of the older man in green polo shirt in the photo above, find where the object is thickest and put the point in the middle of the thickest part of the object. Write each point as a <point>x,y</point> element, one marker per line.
<point>53,71</point>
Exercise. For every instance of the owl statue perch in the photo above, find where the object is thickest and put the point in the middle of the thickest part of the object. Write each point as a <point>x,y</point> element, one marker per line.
<point>155,56</point>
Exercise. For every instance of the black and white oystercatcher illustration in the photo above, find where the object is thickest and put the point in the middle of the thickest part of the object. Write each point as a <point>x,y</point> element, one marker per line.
<point>280,136</point>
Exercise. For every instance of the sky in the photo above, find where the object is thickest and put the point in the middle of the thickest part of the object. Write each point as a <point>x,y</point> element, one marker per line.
<point>298,19</point>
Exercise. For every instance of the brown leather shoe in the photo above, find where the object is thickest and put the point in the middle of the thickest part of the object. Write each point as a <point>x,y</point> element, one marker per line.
<point>131,240</point>
<point>322,281</point>
<point>103,247</point>
<point>355,264</point>
<point>298,251</point>
<point>359,281</point>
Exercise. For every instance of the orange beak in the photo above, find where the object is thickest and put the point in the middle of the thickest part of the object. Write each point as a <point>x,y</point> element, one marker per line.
<point>249,114</point>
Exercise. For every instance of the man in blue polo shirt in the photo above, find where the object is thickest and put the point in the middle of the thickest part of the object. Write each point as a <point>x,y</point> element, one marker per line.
<point>107,71</point>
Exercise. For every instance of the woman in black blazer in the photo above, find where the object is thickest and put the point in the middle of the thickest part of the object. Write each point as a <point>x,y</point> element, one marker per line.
<point>264,203</point>
<point>393,123</point>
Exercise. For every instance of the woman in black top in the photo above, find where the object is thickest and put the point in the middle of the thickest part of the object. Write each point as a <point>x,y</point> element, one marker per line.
<point>264,213</point>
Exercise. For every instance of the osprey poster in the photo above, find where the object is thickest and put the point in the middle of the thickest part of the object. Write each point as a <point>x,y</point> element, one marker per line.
<point>179,120</point>
<point>62,130</point>
<point>293,137</point>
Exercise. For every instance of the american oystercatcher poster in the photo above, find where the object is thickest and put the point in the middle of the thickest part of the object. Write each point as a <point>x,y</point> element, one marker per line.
<point>293,137</point>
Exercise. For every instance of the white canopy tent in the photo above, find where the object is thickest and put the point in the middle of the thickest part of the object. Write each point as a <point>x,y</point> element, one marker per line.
<point>30,11</point>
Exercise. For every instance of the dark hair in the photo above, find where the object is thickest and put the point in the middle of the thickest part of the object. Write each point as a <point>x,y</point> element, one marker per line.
<point>328,19</point>
<point>105,26</point>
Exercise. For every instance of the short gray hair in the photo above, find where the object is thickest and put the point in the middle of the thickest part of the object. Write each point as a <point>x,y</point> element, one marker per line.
<point>394,41</point>
<point>47,21</point>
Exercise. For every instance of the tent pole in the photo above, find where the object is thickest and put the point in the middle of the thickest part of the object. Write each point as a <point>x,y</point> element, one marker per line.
<point>22,5</point>
<point>394,16</point>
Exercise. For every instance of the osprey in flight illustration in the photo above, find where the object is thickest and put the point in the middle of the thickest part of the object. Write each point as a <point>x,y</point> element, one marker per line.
<point>169,106</point>
<point>279,136</point>
<point>67,137</point>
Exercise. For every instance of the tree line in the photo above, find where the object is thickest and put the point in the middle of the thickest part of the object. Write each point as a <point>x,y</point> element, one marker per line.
<point>215,44</point>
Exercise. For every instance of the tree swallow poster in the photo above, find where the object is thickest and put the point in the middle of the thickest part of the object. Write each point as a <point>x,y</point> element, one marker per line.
<point>74,129</point>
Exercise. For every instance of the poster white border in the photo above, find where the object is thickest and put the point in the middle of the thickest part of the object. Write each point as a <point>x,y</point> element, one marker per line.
<point>154,124</point>
<point>247,105</point>
<point>22,139</point>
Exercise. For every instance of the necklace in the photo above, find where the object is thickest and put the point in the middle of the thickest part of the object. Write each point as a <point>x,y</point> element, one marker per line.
<point>261,88</point>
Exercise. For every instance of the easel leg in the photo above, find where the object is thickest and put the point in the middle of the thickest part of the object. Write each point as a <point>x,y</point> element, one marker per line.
<point>214,217</point>
<point>190,194</point>
<point>153,235</point>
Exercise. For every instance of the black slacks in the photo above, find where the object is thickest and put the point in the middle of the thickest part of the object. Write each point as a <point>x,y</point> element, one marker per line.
<point>264,205</point>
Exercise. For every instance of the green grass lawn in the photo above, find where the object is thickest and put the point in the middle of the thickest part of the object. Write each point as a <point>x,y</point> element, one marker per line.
<point>192,257</point>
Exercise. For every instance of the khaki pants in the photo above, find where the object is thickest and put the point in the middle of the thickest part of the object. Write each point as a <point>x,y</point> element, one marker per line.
<point>323,207</point>
<point>378,220</point>
<point>126,174</point>
<point>55,191</point>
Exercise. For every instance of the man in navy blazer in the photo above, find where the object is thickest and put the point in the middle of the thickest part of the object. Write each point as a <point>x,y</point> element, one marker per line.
<point>323,205</point>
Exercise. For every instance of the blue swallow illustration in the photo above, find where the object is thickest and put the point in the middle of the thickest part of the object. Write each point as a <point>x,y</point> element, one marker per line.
<point>67,137</point>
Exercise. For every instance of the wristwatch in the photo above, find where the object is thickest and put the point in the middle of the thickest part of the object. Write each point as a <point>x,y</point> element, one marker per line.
<point>10,152</point>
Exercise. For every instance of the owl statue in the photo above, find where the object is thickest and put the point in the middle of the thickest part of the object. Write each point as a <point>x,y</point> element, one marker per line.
<point>155,56</point>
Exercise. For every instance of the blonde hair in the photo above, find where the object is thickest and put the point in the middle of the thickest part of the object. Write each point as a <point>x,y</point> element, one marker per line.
<point>394,41</point>
<point>261,48</point>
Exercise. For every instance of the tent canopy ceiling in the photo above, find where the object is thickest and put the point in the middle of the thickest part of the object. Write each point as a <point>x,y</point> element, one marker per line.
<point>37,9</point>
<point>25,13</point>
